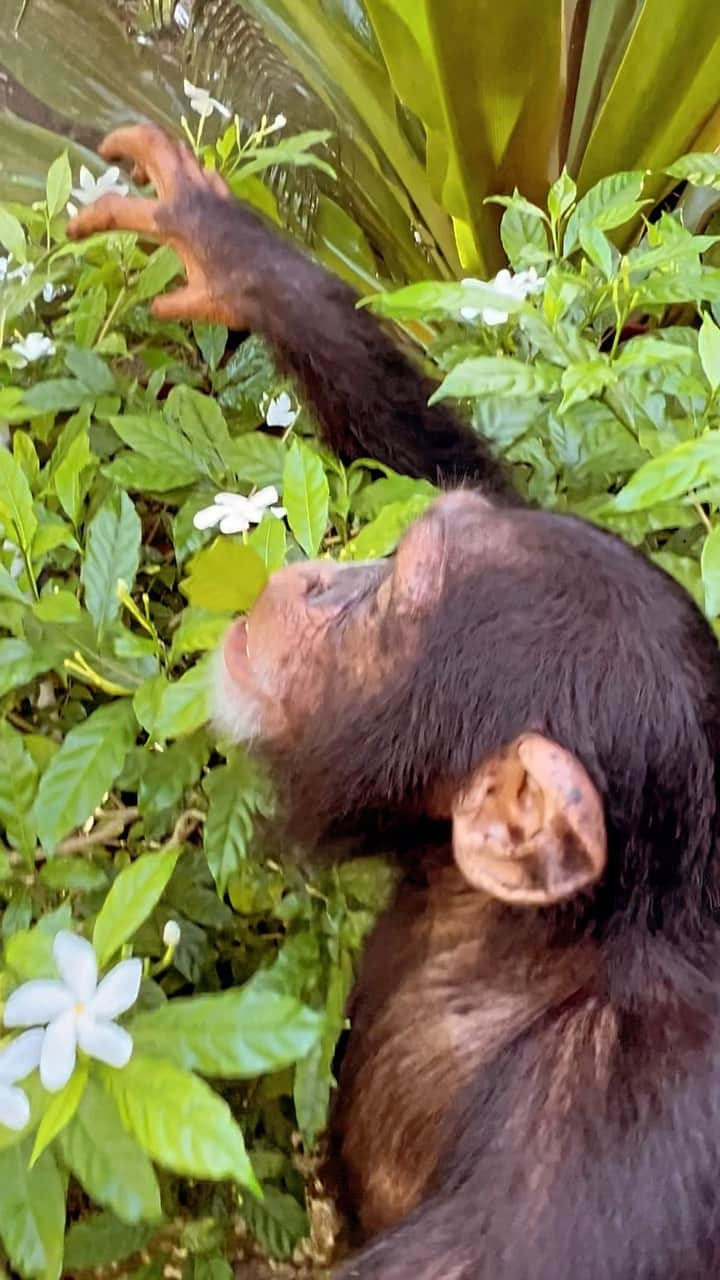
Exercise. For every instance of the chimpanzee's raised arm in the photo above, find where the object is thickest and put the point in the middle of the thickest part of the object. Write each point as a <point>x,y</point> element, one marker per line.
<point>368,399</point>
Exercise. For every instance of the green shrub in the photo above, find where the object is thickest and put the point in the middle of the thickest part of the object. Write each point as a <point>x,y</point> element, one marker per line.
<point>125,823</point>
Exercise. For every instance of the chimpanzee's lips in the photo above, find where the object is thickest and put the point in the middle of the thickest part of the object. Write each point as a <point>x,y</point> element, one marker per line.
<point>235,649</point>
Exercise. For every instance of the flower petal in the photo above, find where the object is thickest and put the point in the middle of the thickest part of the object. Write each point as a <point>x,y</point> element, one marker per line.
<point>59,1051</point>
<point>237,522</point>
<point>21,1056</point>
<point>105,1041</point>
<point>87,180</point>
<point>207,518</point>
<point>77,964</point>
<point>14,1108</point>
<point>278,512</point>
<point>118,990</point>
<point>36,1003</point>
<point>265,497</point>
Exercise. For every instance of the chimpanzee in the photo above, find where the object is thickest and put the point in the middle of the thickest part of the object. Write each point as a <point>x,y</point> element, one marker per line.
<point>531,1088</point>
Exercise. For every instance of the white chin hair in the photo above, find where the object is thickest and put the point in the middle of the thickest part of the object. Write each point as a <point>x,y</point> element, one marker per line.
<point>234,715</point>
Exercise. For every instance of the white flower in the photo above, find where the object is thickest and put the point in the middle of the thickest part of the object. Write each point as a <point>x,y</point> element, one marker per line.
<point>280,412</point>
<point>22,272</point>
<point>17,1060</point>
<point>77,1010</point>
<point>91,188</point>
<point>171,933</point>
<point>48,291</point>
<point>278,123</point>
<point>201,101</point>
<point>234,513</point>
<point>520,286</point>
<point>34,346</point>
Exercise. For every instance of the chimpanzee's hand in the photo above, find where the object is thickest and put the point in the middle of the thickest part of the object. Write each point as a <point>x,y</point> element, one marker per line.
<point>219,242</point>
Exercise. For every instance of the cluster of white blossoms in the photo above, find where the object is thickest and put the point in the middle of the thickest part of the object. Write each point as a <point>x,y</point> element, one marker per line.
<point>75,1011</point>
<point>516,286</point>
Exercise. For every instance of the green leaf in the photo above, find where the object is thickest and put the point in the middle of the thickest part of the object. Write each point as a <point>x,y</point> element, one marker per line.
<point>702,168</point>
<point>257,458</point>
<point>179,1121</point>
<point>18,781</point>
<point>90,369</point>
<point>32,1212</point>
<point>199,630</point>
<point>306,496</point>
<point>19,662</point>
<point>226,577</point>
<point>440,300</point>
<point>67,473</point>
<point>159,441</point>
<point>184,705</point>
<point>497,375</point>
<point>101,1240</point>
<point>12,235</point>
<point>268,539</point>
<point>234,1034</point>
<point>84,768</point>
<point>131,472</point>
<point>609,204</point>
<point>381,536</point>
<point>60,1110</point>
<point>107,1162</point>
<point>597,247</point>
<point>73,875</point>
<point>279,1222</point>
<point>113,553</point>
<point>313,1075</point>
<point>201,419</point>
<point>29,953</point>
<point>709,350</point>
<point>161,267</point>
<point>211,339</point>
<point>237,792</point>
<point>16,503</point>
<point>710,567</point>
<point>524,238</point>
<point>561,196</point>
<point>56,395</point>
<point>58,185</point>
<point>134,894</point>
<point>674,472</point>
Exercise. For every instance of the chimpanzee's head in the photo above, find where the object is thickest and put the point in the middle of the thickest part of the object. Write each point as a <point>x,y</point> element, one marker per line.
<point>524,676</point>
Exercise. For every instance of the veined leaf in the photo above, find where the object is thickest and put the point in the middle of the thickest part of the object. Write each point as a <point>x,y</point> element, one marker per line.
<point>236,1034</point>
<point>113,553</point>
<point>226,577</point>
<point>237,792</point>
<point>84,768</point>
<point>179,1121</point>
<point>677,471</point>
<point>58,185</point>
<point>134,894</point>
<point>497,375</point>
<point>16,503</point>
<point>12,235</point>
<point>60,1110</point>
<point>32,1212</point>
<point>306,496</point>
<point>107,1162</point>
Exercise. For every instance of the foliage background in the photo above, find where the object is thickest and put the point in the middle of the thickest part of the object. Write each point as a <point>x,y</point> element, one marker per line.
<point>119,808</point>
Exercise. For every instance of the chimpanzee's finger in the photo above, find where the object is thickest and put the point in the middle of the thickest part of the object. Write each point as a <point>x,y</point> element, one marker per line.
<point>192,302</point>
<point>115,213</point>
<point>155,155</point>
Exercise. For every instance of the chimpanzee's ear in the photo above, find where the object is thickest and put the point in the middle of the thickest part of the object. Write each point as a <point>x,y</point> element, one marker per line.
<point>529,827</point>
